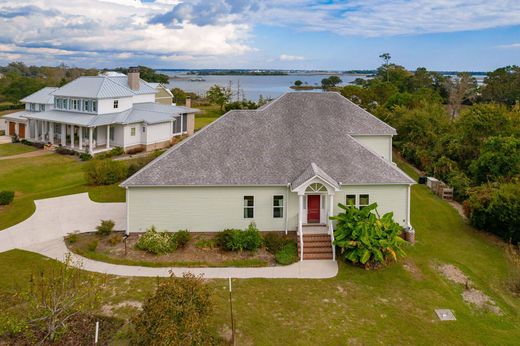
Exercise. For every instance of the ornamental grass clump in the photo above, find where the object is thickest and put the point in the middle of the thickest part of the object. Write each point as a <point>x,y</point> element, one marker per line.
<point>365,238</point>
<point>158,243</point>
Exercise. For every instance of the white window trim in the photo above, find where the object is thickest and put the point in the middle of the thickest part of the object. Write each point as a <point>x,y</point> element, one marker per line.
<point>132,131</point>
<point>282,207</point>
<point>248,207</point>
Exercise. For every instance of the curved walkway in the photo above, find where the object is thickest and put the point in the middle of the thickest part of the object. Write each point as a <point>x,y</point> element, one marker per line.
<point>54,218</point>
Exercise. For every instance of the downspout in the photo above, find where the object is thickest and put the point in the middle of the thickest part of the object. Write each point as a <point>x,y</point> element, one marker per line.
<point>286,207</point>
<point>408,208</point>
<point>127,231</point>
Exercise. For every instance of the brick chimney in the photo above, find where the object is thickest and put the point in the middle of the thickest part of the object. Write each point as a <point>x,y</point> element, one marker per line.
<point>188,101</point>
<point>133,78</point>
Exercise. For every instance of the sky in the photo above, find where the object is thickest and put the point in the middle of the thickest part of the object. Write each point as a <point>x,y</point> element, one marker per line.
<point>476,35</point>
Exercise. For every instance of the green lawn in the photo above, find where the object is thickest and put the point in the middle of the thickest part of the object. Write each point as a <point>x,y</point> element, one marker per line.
<point>207,116</point>
<point>388,306</point>
<point>43,177</point>
<point>10,149</point>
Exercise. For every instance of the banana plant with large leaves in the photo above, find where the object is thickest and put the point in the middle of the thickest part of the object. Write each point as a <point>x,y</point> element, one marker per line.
<point>364,237</point>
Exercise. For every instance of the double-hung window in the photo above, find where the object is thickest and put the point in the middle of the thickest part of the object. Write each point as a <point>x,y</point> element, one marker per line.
<point>249,207</point>
<point>94,106</point>
<point>116,103</point>
<point>277,207</point>
<point>132,131</point>
<point>358,201</point>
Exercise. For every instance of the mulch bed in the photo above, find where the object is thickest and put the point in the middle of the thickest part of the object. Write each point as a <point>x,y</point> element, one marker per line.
<point>191,255</point>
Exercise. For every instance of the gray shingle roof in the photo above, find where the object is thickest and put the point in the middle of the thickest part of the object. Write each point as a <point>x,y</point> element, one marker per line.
<point>43,96</point>
<point>274,145</point>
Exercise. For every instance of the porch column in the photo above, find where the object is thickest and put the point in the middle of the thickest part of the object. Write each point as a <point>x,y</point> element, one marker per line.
<point>51,132</point>
<point>108,136</point>
<point>36,130</point>
<point>300,224</point>
<point>42,124</point>
<point>90,146</point>
<point>331,211</point>
<point>72,136</point>
<point>28,129</point>
<point>80,130</point>
<point>63,135</point>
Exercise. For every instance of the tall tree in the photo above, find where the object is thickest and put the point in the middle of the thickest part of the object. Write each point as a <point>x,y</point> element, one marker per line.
<point>219,95</point>
<point>386,59</point>
<point>461,88</point>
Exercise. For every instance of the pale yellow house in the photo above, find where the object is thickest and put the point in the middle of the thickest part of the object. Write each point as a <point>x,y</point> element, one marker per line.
<point>285,166</point>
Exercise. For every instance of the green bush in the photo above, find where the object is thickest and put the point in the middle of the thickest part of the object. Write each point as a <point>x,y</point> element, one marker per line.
<point>6,197</point>
<point>287,254</point>
<point>32,144</point>
<point>178,313</point>
<point>206,244</point>
<point>274,242</point>
<point>156,242</point>
<point>496,209</point>
<point>85,157</point>
<point>71,238</point>
<point>363,237</point>
<point>181,238</point>
<point>104,172</point>
<point>116,151</point>
<point>64,151</point>
<point>92,246</point>
<point>238,240</point>
<point>106,227</point>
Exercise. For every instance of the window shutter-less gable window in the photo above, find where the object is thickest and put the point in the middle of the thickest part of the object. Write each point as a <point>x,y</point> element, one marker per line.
<point>249,207</point>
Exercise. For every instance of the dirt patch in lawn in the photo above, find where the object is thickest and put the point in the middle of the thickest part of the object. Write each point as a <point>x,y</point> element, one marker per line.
<point>197,253</point>
<point>470,294</point>
<point>412,268</point>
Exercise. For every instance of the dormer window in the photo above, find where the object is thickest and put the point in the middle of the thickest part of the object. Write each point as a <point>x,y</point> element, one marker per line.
<point>32,106</point>
<point>42,108</point>
<point>116,103</point>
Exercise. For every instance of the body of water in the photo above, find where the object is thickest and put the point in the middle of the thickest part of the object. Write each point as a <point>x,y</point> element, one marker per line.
<point>251,87</point>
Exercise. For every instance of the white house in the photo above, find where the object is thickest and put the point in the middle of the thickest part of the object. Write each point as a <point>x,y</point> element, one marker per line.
<point>94,114</point>
<point>285,166</point>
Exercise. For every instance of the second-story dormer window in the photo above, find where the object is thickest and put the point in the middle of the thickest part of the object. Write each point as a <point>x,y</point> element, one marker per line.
<point>116,103</point>
<point>94,106</point>
<point>32,106</point>
<point>42,108</point>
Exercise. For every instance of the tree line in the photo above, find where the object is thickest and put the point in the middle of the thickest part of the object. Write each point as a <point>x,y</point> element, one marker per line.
<point>462,133</point>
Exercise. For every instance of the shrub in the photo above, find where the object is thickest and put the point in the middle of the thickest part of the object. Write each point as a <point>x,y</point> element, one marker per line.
<point>6,197</point>
<point>106,227</point>
<point>64,151</point>
<point>92,246</point>
<point>104,172</point>
<point>33,144</point>
<point>251,238</point>
<point>238,240</point>
<point>85,157</point>
<point>15,139</point>
<point>140,163</point>
<point>2,132</point>
<point>274,242</point>
<point>365,238</point>
<point>156,242</point>
<point>178,313</point>
<point>117,151</point>
<point>115,239</point>
<point>181,238</point>
<point>287,254</point>
<point>496,209</point>
<point>71,238</point>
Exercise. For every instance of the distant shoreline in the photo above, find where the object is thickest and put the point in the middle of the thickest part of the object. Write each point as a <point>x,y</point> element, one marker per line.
<point>304,87</point>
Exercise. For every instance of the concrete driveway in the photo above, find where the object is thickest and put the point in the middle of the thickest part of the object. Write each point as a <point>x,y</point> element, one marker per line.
<point>56,217</point>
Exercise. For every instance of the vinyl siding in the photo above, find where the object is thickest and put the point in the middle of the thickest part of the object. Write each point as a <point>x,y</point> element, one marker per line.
<point>381,145</point>
<point>208,209</point>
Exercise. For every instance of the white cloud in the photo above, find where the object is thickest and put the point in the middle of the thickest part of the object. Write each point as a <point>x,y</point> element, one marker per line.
<point>285,57</point>
<point>508,46</point>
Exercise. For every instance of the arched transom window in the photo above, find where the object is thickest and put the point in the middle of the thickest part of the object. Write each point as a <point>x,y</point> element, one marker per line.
<point>316,187</point>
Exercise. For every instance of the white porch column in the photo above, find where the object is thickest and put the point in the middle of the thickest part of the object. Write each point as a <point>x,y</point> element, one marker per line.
<point>300,224</point>
<point>63,135</point>
<point>90,146</point>
<point>331,211</point>
<point>72,136</point>
<point>28,129</point>
<point>80,130</point>
<point>42,124</point>
<point>108,136</point>
<point>36,134</point>
<point>51,132</point>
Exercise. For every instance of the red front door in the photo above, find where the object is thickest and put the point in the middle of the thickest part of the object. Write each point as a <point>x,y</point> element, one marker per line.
<point>313,209</point>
